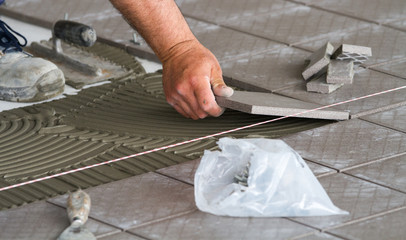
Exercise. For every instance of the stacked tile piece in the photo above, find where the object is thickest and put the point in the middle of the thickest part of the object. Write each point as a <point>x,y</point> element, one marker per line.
<point>329,70</point>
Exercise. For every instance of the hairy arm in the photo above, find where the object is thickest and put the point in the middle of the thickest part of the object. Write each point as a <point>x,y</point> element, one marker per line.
<point>191,73</point>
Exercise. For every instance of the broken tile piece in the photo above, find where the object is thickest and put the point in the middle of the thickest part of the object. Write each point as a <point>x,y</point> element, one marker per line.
<point>319,60</point>
<point>358,54</point>
<point>276,105</point>
<point>340,72</point>
<point>320,85</point>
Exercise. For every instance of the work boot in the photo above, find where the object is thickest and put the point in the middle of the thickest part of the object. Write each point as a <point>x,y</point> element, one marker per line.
<point>24,78</point>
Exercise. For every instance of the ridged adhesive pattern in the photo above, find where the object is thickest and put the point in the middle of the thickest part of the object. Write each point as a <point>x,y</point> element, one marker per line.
<point>106,122</point>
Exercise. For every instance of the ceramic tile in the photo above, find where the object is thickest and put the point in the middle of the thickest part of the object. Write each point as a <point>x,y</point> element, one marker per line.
<point>318,61</point>
<point>199,225</point>
<point>23,222</point>
<point>121,236</point>
<point>386,43</point>
<point>137,200</point>
<point>390,172</point>
<point>227,44</point>
<point>395,68</point>
<point>184,172</point>
<point>357,54</point>
<point>365,82</point>
<point>267,72</point>
<point>320,85</point>
<point>276,105</point>
<point>340,72</point>
<point>388,226</point>
<point>394,118</point>
<point>371,10</point>
<point>360,198</point>
<point>295,24</point>
<point>347,144</point>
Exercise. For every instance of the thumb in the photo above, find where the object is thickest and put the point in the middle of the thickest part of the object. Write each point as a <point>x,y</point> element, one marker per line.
<point>219,87</point>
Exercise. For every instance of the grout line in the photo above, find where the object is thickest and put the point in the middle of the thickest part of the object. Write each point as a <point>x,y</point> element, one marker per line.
<point>371,162</point>
<point>137,235</point>
<point>194,209</point>
<point>372,182</point>
<point>109,234</point>
<point>337,235</point>
<point>382,125</point>
<point>173,178</point>
<point>237,30</point>
<point>303,224</point>
<point>378,110</point>
<point>362,219</point>
<point>309,234</point>
<point>386,72</point>
<point>336,12</point>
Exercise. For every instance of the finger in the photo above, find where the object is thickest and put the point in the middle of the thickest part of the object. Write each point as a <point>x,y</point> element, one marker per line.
<point>218,85</point>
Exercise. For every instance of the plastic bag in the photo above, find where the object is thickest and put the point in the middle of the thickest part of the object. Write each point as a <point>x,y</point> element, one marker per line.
<point>280,184</point>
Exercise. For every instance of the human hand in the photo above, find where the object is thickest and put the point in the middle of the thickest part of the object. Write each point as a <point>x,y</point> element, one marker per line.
<point>191,78</point>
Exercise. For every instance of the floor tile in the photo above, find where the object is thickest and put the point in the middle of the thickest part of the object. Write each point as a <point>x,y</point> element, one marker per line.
<point>386,43</point>
<point>295,24</point>
<point>41,220</point>
<point>220,11</point>
<point>184,172</point>
<point>199,225</point>
<point>395,68</point>
<point>372,10</point>
<point>137,200</point>
<point>360,198</point>
<point>394,118</point>
<point>227,44</point>
<point>121,236</point>
<point>366,82</point>
<point>390,226</point>
<point>390,172</point>
<point>267,72</point>
<point>347,144</point>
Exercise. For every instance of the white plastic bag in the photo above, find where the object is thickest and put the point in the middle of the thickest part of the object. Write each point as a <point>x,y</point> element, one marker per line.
<point>279,183</point>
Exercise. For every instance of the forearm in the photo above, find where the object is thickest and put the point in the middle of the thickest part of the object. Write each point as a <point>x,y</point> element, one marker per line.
<point>159,22</point>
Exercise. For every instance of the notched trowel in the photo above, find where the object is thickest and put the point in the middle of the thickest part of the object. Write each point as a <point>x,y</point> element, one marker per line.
<point>66,50</point>
<point>78,208</point>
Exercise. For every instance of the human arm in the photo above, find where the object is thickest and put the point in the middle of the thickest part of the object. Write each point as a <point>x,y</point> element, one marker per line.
<point>191,73</point>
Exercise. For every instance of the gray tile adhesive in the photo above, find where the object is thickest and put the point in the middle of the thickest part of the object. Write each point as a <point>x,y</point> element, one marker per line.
<point>117,119</point>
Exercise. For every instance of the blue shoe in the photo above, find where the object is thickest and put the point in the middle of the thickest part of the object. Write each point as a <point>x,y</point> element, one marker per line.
<point>24,78</point>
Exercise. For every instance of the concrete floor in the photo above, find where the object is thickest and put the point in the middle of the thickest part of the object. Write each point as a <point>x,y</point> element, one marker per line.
<point>361,162</point>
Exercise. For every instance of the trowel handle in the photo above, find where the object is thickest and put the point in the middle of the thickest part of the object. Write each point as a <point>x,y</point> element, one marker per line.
<point>74,32</point>
<point>78,206</point>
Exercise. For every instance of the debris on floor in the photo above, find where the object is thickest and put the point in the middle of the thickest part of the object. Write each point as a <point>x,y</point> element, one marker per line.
<point>328,71</point>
